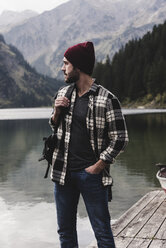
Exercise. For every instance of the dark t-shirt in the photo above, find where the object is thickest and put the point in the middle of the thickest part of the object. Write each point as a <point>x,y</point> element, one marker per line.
<point>80,154</point>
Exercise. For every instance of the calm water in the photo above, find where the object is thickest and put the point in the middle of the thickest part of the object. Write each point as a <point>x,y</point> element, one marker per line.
<point>27,212</point>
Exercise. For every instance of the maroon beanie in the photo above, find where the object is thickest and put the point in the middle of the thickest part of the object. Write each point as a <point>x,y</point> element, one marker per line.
<point>82,56</point>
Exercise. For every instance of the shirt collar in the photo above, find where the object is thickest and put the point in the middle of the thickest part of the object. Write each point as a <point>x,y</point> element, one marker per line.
<point>94,88</point>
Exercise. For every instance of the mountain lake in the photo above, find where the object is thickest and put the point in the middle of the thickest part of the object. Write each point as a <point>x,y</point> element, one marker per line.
<point>27,209</point>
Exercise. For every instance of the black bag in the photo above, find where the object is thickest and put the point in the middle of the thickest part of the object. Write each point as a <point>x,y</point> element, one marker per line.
<point>49,146</point>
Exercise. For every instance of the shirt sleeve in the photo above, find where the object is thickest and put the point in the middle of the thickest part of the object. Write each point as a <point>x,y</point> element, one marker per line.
<point>116,131</point>
<point>60,92</point>
<point>51,123</point>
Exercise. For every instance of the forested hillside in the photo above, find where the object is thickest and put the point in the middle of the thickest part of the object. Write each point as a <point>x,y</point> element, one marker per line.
<point>20,84</point>
<point>138,71</point>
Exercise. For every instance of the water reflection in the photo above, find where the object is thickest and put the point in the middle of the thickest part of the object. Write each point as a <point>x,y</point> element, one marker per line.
<point>17,139</point>
<point>20,148</point>
<point>147,144</point>
<point>26,197</point>
<point>21,176</point>
<point>134,172</point>
<point>34,226</point>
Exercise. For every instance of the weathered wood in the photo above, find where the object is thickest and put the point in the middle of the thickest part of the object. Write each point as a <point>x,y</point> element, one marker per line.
<point>154,223</point>
<point>144,224</point>
<point>161,234</point>
<point>157,244</point>
<point>137,243</point>
<point>144,215</point>
<point>129,215</point>
<point>122,242</point>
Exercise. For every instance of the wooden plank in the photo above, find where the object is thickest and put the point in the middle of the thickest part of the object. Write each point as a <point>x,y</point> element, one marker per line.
<point>137,243</point>
<point>140,220</point>
<point>154,223</point>
<point>158,244</point>
<point>121,242</point>
<point>162,232</point>
<point>129,215</point>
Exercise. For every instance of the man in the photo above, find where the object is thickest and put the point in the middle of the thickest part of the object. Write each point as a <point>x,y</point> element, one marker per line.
<point>89,137</point>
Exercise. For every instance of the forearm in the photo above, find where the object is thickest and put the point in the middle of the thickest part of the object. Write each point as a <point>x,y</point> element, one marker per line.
<point>60,103</point>
<point>55,115</point>
<point>115,147</point>
<point>53,121</point>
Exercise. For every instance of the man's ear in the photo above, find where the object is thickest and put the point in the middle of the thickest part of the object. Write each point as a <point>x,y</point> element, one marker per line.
<point>76,69</point>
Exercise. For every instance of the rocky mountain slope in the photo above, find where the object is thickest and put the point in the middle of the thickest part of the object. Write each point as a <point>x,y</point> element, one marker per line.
<point>20,84</point>
<point>108,23</point>
<point>9,19</point>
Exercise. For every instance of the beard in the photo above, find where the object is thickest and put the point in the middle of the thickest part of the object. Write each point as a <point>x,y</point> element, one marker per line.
<point>72,77</point>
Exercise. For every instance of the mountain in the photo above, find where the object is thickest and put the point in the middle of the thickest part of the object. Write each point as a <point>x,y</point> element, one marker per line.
<point>9,19</point>
<point>20,84</point>
<point>108,23</point>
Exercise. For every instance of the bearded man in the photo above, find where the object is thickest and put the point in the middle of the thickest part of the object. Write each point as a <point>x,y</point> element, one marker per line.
<point>92,133</point>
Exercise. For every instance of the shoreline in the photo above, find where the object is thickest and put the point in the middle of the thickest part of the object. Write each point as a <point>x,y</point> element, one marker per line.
<point>45,112</point>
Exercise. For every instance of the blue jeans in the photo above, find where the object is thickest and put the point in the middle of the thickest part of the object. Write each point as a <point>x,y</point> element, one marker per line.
<point>95,196</point>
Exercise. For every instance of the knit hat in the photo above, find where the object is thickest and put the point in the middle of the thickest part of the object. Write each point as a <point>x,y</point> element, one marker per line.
<point>82,56</point>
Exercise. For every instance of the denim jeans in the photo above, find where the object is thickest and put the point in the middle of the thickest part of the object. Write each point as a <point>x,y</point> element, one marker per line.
<point>95,196</point>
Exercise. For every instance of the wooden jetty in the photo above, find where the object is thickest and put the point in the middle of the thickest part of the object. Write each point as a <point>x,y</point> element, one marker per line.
<point>144,224</point>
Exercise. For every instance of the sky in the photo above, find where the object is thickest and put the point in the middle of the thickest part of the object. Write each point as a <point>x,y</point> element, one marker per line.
<point>36,5</point>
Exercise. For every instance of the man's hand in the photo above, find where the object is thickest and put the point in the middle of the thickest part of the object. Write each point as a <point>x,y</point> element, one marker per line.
<point>96,168</point>
<point>60,102</point>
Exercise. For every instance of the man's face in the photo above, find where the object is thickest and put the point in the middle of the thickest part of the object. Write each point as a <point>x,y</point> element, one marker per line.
<point>71,74</point>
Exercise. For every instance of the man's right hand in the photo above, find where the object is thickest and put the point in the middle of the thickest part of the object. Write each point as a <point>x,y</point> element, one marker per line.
<point>60,102</point>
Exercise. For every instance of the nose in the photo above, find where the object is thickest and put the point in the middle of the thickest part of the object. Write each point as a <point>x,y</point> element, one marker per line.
<point>63,67</point>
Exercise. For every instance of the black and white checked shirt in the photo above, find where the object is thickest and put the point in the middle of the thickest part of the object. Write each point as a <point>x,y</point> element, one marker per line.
<point>106,128</point>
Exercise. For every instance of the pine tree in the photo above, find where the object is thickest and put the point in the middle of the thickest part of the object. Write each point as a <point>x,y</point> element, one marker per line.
<point>138,69</point>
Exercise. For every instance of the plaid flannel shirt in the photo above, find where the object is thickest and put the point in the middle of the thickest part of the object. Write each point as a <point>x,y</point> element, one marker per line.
<point>106,128</point>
